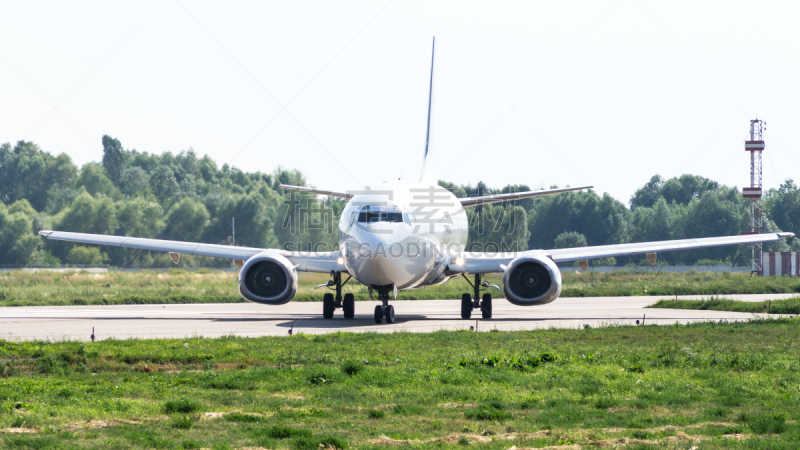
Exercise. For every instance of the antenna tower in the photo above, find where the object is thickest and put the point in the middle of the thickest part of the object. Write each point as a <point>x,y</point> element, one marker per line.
<point>755,146</point>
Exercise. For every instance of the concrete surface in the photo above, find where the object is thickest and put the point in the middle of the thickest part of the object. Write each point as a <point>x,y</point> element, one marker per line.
<point>250,319</point>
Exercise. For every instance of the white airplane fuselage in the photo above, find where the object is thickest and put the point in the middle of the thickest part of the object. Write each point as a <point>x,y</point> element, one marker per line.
<point>402,235</point>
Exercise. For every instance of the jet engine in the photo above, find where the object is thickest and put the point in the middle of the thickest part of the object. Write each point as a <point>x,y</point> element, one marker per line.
<point>268,278</point>
<point>531,280</point>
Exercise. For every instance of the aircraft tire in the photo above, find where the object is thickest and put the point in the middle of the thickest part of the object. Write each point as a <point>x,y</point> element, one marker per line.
<point>466,306</point>
<point>328,306</point>
<point>389,313</point>
<point>486,306</point>
<point>349,306</point>
<point>378,314</point>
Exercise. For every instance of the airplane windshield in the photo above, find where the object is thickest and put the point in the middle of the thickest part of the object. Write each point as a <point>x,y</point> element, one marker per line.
<point>373,215</point>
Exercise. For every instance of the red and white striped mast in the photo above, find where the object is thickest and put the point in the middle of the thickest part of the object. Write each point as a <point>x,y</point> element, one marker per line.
<point>755,146</point>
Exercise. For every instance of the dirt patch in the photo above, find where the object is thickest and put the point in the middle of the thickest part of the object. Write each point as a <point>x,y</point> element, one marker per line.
<point>678,438</point>
<point>288,395</point>
<point>456,405</point>
<point>104,423</point>
<point>552,447</point>
<point>453,438</point>
<point>669,427</point>
<point>19,430</point>
<point>221,414</point>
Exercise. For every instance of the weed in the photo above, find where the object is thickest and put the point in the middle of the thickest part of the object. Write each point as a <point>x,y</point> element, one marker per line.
<point>376,414</point>
<point>320,379</point>
<point>463,440</point>
<point>238,417</point>
<point>492,410</point>
<point>280,432</point>
<point>183,422</point>
<point>351,367</point>
<point>183,406</point>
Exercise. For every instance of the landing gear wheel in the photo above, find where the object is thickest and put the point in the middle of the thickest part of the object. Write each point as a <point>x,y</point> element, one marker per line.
<point>328,306</point>
<point>486,306</point>
<point>349,306</point>
<point>466,306</point>
<point>389,313</point>
<point>378,314</point>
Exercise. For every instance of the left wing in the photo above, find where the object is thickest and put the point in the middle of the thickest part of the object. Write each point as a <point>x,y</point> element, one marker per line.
<point>483,263</point>
<point>486,199</point>
<point>323,262</point>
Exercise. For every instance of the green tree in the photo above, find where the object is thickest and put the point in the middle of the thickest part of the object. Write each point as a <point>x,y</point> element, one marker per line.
<point>570,239</point>
<point>17,239</point>
<point>27,172</point>
<point>113,158</point>
<point>186,221</point>
<point>134,181</point>
<point>96,182</point>
<point>86,256</point>
<point>87,214</point>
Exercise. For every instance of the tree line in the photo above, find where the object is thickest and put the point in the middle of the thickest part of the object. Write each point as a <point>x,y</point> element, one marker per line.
<point>189,198</point>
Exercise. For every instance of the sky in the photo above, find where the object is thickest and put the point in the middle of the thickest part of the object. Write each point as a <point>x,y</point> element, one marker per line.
<point>602,93</point>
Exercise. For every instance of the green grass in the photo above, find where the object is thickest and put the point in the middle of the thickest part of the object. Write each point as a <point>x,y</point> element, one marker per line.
<point>206,286</point>
<point>648,384</point>
<point>789,306</point>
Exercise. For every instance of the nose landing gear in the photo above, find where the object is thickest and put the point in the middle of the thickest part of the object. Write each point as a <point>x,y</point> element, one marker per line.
<point>385,310</point>
<point>470,302</point>
<point>330,303</point>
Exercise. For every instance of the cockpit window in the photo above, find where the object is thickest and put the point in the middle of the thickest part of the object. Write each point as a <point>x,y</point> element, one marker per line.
<point>372,215</point>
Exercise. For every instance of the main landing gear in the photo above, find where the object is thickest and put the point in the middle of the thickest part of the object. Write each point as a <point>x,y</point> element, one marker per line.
<point>331,302</point>
<point>470,302</point>
<point>384,310</point>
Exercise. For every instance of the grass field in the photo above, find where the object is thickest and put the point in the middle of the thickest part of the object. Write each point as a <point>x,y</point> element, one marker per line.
<point>710,385</point>
<point>206,286</point>
<point>789,306</point>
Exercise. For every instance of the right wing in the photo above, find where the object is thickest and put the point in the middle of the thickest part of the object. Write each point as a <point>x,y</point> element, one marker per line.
<point>323,262</point>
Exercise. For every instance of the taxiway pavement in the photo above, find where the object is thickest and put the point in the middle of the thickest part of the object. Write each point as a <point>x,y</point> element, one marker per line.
<point>251,319</point>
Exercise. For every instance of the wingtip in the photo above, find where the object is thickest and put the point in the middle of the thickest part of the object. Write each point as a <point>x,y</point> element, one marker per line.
<point>45,233</point>
<point>786,235</point>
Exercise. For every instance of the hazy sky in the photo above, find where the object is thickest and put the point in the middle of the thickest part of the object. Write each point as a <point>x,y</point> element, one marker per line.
<point>542,93</point>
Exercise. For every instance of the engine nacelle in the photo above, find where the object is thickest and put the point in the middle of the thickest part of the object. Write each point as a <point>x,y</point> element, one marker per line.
<point>268,278</point>
<point>532,280</point>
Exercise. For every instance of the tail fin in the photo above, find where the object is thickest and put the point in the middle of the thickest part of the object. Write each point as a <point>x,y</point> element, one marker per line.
<point>426,170</point>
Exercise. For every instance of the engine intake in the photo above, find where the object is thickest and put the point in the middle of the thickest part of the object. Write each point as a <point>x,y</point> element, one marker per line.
<point>532,280</point>
<point>268,278</point>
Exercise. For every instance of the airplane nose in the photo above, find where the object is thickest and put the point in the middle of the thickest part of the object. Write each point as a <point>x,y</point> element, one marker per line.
<point>383,259</point>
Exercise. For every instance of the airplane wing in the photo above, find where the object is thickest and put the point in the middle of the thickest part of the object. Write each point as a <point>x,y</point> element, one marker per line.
<point>486,199</point>
<point>315,191</point>
<point>482,263</point>
<point>322,262</point>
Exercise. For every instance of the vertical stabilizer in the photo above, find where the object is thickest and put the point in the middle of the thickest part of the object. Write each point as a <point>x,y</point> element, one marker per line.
<point>426,175</point>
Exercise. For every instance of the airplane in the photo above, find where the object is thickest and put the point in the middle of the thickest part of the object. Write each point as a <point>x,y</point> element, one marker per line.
<point>404,235</point>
